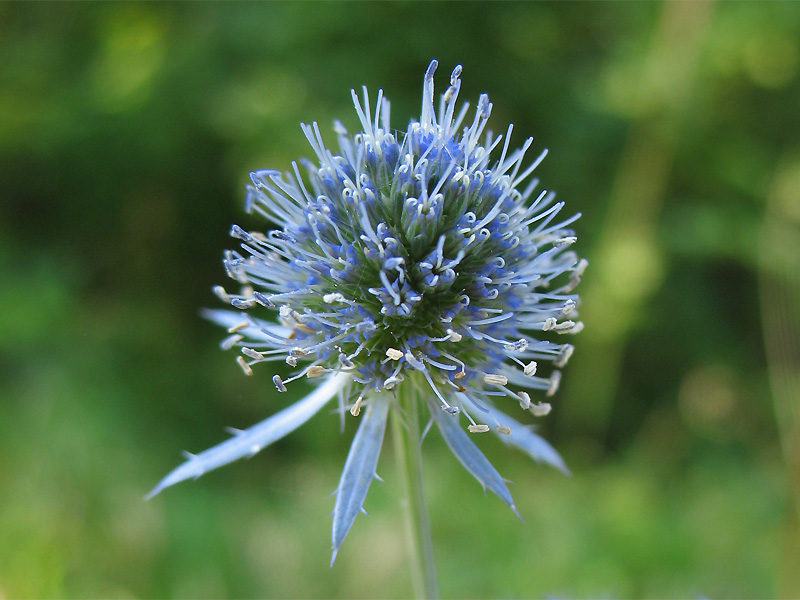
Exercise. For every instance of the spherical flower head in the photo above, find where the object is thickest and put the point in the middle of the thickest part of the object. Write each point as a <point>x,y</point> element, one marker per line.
<point>405,259</point>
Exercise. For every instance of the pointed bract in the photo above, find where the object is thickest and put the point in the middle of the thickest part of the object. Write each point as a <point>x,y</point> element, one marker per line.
<point>359,469</point>
<point>468,455</point>
<point>250,441</point>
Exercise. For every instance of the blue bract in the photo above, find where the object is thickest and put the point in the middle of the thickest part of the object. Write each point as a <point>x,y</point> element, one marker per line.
<point>404,259</point>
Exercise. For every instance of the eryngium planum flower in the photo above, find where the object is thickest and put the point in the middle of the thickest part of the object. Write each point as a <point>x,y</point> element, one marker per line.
<point>403,259</point>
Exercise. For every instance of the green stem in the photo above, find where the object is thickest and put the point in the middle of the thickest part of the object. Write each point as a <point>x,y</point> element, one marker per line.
<point>405,428</point>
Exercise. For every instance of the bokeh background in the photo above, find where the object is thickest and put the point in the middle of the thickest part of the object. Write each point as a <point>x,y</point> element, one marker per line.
<point>127,132</point>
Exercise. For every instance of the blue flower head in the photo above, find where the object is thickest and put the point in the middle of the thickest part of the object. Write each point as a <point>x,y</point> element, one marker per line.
<point>403,259</point>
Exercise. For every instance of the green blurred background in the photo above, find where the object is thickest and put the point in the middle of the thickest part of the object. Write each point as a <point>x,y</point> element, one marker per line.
<point>127,132</point>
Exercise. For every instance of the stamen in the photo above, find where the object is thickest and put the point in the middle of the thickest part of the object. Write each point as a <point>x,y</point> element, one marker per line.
<point>555,380</point>
<point>478,428</point>
<point>530,369</point>
<point>315,371</point>
<point>394,354</point>
<point>245,367</point>
<point>494,379</point>
<point>331,298</point>
<point>355,410</point>
<point>254,354</point>
<point>230,341</point>
<point>540,409</point>
<point>502,429</point>
<point>454,335</point>
<point>239,327</point>
<point>566,241</point>
<point>564,355</point>
<point>220,293</point>
<point>276,379</point>
<point>524,400</point>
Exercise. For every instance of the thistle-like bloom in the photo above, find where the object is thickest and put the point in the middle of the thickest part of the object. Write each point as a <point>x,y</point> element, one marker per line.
<point>403,259</point>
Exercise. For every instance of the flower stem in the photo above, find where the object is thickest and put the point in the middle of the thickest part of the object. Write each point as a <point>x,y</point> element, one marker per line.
<point>405,429</point>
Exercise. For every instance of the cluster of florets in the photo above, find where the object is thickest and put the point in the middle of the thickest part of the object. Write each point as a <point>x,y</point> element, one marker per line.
<point>403,260</point>
<point>410,254</point>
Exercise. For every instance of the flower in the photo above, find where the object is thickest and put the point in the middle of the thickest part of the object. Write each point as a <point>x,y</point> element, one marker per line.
<point>403,260</point>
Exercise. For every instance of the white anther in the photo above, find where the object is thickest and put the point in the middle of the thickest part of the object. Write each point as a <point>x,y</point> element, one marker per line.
<point>355,410</point>
<point>239,327</point>
<point>297,352</point>
<point>563,356</point>
<point>331,298</point>
<point>524,400</point>
<point>549,323</point>
<point>518,346</point>
<point>478,428</point>
<point>394,354</point>
<point>459,375</point>
<point>230,341</point>
<point>494,379</point>
<point>454,335</point>
<point>503,429</point>
<point>276,379</point>
<point>245,367</point>
<point>569,306</point>
<point>564,326</point>
<point>565,241</point>
<point>315,371</point>
<point>255,354</point>
<point>243,304</point>
<point>530,369</point>
<point>220,293</point>
<point>576,328</point>
<point>291,361</point>
<point>390,382</point>
<point>555,380</point>
<point>540,409</point>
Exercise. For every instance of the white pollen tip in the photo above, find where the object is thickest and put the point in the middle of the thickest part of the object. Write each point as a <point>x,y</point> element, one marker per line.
<point>239,327</point>
<point>524,400</point>
<point>220,293</point>
<point>394,354</point>
<point>555,380</point>
<point>494,379</point>
<point>540,409</point>
<point>549,324</point>
<point>503,429</point>
<point>530,369</point>
<point>331,298</point>
<point>315,371</point>
<point>355,410</point>
<point>565,241</point>
<point>577,328</point>
<point>478,428</point>
<point>564,355</point>
<point>254,354</point>
<point>390,382</point>
<point>276,379</point>
<point>245,367</point>
<point>454,335</point>
<point>230,341</point>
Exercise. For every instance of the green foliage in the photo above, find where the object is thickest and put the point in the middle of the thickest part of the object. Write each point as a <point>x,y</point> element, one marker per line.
<point>126,134</point>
